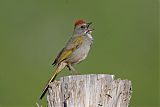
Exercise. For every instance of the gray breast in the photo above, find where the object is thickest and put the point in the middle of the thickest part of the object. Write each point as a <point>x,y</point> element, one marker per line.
<point>82,52</point>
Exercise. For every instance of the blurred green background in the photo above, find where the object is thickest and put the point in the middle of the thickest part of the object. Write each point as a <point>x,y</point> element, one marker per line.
<point>32,32</point>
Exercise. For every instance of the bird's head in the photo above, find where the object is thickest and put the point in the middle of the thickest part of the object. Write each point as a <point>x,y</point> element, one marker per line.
<point>81,27</point>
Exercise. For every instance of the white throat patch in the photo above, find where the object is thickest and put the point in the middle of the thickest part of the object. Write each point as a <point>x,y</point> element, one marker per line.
<point>89,35</point>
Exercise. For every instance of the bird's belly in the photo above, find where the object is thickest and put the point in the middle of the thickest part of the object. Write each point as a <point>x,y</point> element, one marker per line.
<point>79,55</point>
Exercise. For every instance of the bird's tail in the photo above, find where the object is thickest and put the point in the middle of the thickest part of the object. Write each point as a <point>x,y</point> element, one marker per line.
<point>58,69</point>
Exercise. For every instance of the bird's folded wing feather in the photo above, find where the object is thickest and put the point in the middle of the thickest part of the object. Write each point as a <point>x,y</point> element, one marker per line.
<point>71,46</point>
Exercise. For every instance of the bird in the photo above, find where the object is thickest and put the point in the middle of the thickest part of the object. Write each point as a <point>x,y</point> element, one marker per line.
<point>75,50</point>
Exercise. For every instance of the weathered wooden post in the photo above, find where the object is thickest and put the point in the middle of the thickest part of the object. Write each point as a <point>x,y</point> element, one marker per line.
<point>92,90</point>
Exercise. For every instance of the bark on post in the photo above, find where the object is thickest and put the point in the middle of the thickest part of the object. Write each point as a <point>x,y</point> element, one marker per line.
<point>92,90</point>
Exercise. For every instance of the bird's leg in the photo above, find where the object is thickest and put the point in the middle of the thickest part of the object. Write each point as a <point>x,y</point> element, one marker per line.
<point>74,71</point>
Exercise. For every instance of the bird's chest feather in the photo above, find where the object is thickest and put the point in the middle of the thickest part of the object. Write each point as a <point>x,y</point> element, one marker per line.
<point>82,52</point>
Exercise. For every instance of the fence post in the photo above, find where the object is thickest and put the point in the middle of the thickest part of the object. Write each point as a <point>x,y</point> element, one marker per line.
<point>92,90</point>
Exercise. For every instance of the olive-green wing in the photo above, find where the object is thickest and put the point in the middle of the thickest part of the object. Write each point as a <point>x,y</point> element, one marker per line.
<point>71,46</point>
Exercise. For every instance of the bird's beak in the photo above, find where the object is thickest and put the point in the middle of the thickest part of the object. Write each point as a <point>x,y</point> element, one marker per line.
<point>88,24</point>
<point>89,30</point>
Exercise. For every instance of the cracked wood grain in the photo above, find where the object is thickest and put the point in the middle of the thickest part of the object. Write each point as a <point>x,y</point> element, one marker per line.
<point>92,90</point>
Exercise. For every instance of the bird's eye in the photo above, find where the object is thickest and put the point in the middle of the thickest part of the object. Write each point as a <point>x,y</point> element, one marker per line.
<point>82,26</point>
